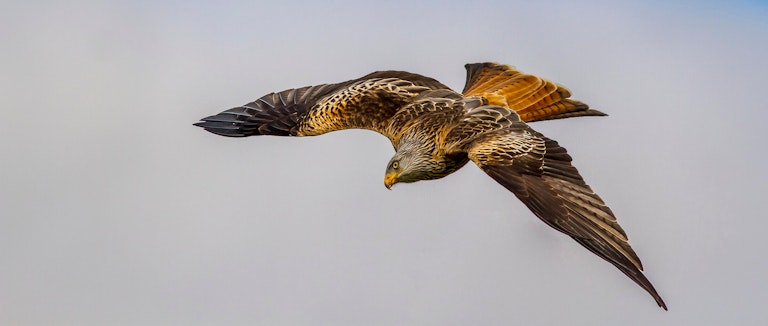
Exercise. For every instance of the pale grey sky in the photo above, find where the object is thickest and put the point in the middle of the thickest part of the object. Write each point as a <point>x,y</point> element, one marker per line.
<point>115,210</point>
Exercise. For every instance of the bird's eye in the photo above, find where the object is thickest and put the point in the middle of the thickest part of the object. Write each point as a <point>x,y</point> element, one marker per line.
<point>395,165</point>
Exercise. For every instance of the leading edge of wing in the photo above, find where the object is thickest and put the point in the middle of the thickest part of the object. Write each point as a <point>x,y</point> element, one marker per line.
<point>367,103</point>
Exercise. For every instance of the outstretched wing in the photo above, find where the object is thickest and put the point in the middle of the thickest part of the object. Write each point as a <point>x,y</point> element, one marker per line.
<point>531,97</point>
<point>367,103</point>
<point>539,172</point>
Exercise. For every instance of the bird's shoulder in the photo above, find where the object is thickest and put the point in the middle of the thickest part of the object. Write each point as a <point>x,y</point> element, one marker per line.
<point>432,113</point>
<point>479,120</point>
<point>372,101</point>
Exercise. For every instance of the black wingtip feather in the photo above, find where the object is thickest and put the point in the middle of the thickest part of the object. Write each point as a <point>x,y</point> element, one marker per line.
<point>275,114</point>
<point>222,126</point>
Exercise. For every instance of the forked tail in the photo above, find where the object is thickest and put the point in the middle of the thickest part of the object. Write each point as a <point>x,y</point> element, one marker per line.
<point>533,98</point>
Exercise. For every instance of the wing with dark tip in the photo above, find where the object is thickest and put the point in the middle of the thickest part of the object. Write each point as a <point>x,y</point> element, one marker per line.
<point>272,114</point>
<point>539,172</point>
<point>533,98</point>
<point>366,103</point>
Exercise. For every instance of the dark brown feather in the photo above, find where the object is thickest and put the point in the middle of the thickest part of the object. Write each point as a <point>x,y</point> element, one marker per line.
<point>272,114</point>
<point>547,183</point>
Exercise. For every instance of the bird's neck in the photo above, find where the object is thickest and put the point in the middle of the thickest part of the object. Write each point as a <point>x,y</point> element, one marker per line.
<point>435,163</point>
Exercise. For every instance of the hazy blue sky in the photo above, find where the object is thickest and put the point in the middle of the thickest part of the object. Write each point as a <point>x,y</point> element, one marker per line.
<point>115,210</point>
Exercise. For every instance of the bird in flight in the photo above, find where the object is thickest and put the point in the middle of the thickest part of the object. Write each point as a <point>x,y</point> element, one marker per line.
<point>435,131</point>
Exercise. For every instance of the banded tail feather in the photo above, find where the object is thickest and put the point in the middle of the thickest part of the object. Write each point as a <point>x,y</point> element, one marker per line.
<point>533,98</point>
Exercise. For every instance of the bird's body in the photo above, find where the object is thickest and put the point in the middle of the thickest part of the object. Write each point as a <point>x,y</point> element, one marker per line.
<point>435,131</point>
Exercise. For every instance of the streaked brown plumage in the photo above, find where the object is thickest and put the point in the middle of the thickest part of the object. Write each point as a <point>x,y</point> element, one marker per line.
<point>435,131</point>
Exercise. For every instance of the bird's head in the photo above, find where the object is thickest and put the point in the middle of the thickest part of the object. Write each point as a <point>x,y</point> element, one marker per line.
<point>403,168</point>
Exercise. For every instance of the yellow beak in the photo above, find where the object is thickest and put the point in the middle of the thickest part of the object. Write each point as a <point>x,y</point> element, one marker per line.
<point>389,180</point>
